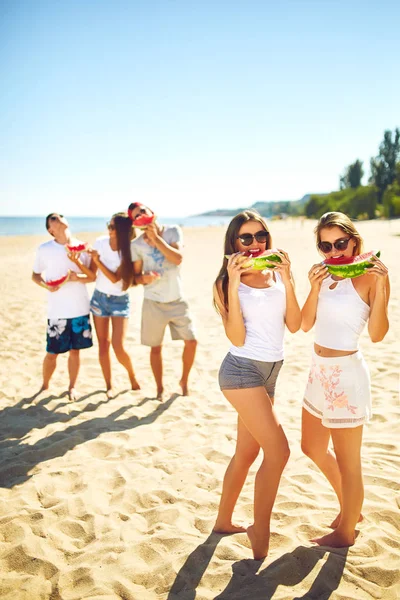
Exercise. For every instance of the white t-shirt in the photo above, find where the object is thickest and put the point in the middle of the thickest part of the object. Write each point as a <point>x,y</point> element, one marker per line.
<point>112,260</point>
<point>52,262</point>
<point>168,287</point>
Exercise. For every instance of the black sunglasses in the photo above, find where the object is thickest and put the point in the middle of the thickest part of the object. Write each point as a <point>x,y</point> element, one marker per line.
<point>340,244</point>
<point>55,217</point>
<point>247,238</point>
<point>110,226</point>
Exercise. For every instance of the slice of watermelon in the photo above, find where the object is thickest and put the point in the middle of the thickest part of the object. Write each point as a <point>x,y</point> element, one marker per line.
<point>142,221</point>
<point>58,282</point>
<point>349,267</point>
<point>77,248</point>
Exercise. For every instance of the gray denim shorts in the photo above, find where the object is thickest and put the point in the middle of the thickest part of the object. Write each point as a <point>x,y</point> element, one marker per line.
<point>238,373</point>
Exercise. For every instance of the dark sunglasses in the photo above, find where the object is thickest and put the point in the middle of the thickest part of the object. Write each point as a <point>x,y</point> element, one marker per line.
<point>247,238</point>
<point>110,226</point>
<point>56,217</point>
<point>340,244</point>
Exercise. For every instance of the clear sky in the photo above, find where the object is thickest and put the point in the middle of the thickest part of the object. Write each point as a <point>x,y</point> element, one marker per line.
<point>189,105</point>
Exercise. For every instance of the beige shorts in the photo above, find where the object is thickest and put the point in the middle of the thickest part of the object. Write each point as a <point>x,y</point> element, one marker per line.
<point>339,391</point>
<point>157,315</point>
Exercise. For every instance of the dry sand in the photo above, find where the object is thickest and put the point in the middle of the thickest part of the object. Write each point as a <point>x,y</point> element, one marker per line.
<point>116,499</point>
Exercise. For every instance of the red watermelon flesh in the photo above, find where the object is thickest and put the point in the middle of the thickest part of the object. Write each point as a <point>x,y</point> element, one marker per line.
<point>56,282</point>
<point>351,260</point>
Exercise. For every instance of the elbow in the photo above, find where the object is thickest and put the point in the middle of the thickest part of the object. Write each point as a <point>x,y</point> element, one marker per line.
<point>293,328</point>
<point>179,259</point>
<point>378,337</point>
<point>237,341</point>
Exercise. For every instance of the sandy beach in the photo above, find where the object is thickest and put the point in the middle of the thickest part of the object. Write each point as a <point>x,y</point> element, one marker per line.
<point>116,499</point>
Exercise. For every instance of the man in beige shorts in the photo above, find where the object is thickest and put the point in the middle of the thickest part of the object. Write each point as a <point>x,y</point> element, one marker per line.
<point>156,256</point>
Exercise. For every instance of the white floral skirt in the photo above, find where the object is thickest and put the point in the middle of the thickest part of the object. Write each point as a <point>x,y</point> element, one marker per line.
<point>339,391</point>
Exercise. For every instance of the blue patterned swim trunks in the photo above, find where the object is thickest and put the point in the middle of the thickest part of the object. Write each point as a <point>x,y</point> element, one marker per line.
<point>68,334</point>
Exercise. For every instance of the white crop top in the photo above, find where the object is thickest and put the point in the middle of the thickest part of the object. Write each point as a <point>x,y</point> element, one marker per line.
<point>341,315</point>
<point>263,311</point>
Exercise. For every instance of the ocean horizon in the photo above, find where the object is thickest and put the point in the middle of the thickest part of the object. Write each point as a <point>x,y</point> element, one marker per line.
<point>17,225</point>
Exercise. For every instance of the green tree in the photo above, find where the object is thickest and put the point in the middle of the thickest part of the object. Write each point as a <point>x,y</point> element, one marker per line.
<point>383,166</point>
<point>352,176</point>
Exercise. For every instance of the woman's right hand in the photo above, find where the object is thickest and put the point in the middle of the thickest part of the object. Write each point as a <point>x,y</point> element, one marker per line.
<point>317,274</point>
<point>235,268</point>
<point>95,256</point>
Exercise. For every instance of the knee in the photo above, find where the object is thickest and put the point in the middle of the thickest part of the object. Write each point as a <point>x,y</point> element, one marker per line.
<point>104,347</point>
<point>51,358</point>
<point>119,350</point>
<point>244,460</point>
<point>278,457</point>
<point>155,350</point>
<point>310,449</point>
<point>192,344</point>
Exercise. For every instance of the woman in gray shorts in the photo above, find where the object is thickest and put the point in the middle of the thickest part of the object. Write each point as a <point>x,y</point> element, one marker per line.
<point>254,306</point>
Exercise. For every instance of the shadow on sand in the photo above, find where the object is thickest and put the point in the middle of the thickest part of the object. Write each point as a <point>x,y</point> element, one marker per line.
<point>247,583</point>
<point>18,458</point>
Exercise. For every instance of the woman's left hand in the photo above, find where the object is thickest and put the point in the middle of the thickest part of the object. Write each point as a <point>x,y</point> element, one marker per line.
<point>379,269</point>
<point>74,257</point>
<point>284,266</point>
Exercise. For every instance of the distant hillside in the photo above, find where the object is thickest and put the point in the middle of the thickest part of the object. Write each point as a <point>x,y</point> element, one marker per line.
<point>266,209</point>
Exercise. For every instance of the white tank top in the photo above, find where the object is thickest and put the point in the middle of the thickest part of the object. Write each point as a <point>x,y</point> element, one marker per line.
<point>264,319</point>
<point>341,315</point>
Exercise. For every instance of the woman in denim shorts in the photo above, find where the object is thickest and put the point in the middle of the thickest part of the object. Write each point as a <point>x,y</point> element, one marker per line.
<point>255,306</point>
<point>111,261</point>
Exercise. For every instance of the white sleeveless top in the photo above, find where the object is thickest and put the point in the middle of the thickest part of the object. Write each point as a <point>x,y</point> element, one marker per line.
<point>263,313</point>
<point>341,315</point>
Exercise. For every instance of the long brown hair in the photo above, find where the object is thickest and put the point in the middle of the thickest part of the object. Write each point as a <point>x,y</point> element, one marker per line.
<point>230,242</point>
<point>125,234</point>
<point>339,219</point>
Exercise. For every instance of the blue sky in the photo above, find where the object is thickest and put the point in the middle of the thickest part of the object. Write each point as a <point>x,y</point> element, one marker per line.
<point>189,106</point>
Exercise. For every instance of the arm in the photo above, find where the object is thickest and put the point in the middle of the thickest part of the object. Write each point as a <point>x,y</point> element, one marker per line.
<point>172,252</point>
<point>316,275</point>
<point>293,314</point>
<point>96,264</point>
<point>87,275</point>
<point>140,277</point>
<point>232,318</point>
<point>38,279</point>
<point>378,323</point>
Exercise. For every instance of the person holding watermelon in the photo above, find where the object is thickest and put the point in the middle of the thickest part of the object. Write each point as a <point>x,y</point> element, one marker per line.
<point>337,400</point>
<point>255,304</point>
<point>157,255</point>
<point>58,267</point>
<point>110,304</point>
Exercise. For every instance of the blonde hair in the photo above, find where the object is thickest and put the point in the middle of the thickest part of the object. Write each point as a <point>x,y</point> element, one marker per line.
<point>339,219</point>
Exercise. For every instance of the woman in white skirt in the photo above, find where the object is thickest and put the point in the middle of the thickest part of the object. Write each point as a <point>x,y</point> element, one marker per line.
<point>337,400</point>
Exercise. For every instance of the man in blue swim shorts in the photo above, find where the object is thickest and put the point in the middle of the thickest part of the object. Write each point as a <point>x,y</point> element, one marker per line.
<point>68,325</point>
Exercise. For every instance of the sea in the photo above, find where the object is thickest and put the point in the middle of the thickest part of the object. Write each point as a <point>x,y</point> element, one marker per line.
<point>36,225</point>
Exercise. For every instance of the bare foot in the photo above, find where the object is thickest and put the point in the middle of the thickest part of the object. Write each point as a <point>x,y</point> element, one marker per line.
<point>185,389</point>
<point>228,528</point>
<point>335,522</point>
<point>336,539</point>
<point>135,385</point>
<point>160,394</point>
<point>259,545</point>
<point>72,394</point>
<point>110,393</point>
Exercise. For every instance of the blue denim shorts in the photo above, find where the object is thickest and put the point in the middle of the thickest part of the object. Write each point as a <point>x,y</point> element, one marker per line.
<point>68,334</point>
<point>106,305</point>
<point>238,373</point>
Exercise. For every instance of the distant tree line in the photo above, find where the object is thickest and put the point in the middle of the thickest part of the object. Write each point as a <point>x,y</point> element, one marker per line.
<point>380,198</point>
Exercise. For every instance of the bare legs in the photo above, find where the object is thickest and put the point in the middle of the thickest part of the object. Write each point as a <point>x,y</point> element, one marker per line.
<point>343,471</point>
<point>49,366</point>
<point>189,352</point>
<point>119,328</point>
<point>258,427</point>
